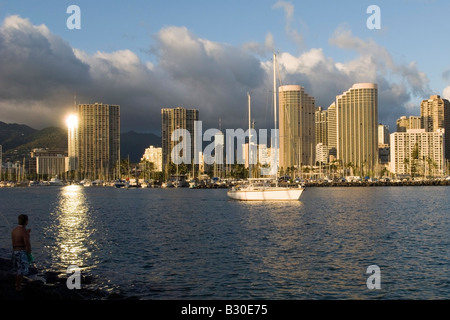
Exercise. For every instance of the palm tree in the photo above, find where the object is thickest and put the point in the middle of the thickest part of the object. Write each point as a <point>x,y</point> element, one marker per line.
<point>432,165</point>
<point>333,168</point>
<point>147,168</point>
<point>406,163</point>
<point>350,166</point>
<point>415,158</point>
<point>124,167</point>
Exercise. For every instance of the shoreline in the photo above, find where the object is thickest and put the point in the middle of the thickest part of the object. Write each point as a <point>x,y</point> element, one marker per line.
<point>48,286</point>
<point>228,184</point>
<point>418,183</point>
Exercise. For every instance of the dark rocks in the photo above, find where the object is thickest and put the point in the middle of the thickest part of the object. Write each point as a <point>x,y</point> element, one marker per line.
<point>48,286</point>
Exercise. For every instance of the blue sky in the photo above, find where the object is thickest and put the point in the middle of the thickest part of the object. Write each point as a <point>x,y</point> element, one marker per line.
<point>323,45</point>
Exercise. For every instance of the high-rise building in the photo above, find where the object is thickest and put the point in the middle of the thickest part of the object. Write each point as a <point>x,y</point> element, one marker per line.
<point>435,114</point>
<point>332,130</point>
<point>98,141</point>
<point>51,162</point>
<point>296,127</point>
<point>321,153</point>
<point>383,144</point>
<point>172,119</point>
<point>412,122</point>
<point>418,152</point>
<point>321,126</point>
<point>357,127</point>
<point>72,143</point>
<point>266,159</point>
<point>383,135</point>
<point>263,154</point>
<point>154,155</point>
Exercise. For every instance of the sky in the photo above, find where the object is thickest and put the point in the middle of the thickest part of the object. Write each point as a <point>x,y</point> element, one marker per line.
<point>148,55</point>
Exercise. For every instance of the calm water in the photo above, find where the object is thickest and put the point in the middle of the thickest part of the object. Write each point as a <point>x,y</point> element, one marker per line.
<point>197,244</point>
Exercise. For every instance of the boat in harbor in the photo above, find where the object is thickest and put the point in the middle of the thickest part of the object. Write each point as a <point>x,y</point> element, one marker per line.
<point>119,183</point>
<point>264,190</point>
<point>132,185</point>
<point>55,181</point>
<point>193,184</point>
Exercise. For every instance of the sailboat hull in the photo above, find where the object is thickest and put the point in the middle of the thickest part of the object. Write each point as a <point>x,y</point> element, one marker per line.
<point>266,194</point>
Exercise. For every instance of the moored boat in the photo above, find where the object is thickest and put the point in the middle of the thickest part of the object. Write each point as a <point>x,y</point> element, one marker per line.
<point>263,191</point>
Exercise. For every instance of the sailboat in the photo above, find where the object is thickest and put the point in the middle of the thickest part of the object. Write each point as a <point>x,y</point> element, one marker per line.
<point>264,191</point>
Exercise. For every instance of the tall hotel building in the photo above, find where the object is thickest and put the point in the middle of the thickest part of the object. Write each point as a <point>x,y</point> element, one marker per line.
<point>357,127</point>
<point>296,127</point>
<point>172,119</point>
<point>383,135</point>
<point>435,114</point>
<point>98,140</point>
<point>72,143</point>
<point>153,155</point>
<point>404,123</point>
<point>332,131</point>
<point>418,149</point>
<point>321,119</point>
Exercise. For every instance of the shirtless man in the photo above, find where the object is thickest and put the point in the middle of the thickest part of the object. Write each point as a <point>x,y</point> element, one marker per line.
<point>22,248</point>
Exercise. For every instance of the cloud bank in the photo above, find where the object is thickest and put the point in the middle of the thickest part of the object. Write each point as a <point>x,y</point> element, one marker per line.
<point>40,73</point>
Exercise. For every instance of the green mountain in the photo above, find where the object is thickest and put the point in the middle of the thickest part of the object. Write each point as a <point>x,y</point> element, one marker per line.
<point>13,135</point>
<point>133,144</point>
<point>18,140</point>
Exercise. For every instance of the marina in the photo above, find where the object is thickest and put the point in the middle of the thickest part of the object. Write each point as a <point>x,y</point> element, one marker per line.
<point>122,144</point>
<point>229,183</point>
<point>199,244</point>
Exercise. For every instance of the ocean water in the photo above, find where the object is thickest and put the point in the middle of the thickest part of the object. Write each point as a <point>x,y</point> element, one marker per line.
<point>197,244</point>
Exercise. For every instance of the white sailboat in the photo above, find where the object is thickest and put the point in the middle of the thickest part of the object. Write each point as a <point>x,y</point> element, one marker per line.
<point>55,181</point>
<point>261,192</point>
<point>265,191</point>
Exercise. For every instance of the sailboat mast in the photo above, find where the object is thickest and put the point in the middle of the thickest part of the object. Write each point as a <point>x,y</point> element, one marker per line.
<point>274,90</point>
<point>275,139</point>
<point>249,135</point>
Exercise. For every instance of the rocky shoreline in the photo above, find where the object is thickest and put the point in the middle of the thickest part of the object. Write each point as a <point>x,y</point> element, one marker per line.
<point>409,183</point>
<point>48,286</point>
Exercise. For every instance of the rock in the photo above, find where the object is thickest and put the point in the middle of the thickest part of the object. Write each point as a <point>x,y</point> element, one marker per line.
<point>52,277</point>
<point>49,286</point>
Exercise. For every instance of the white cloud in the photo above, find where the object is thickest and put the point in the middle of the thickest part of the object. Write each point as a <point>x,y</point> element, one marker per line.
<point>400,84</point>
<point>190,72</point>
<point>446,93</point>
<point>375,60</point>
<point>40,71</point>
<point>289,12</point>
<point>264,50</point>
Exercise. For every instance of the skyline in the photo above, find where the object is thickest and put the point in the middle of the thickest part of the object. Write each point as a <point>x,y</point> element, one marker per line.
<point>208,55</point>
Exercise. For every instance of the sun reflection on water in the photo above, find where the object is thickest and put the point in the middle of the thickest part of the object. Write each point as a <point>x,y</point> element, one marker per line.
<point>72,228</point>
